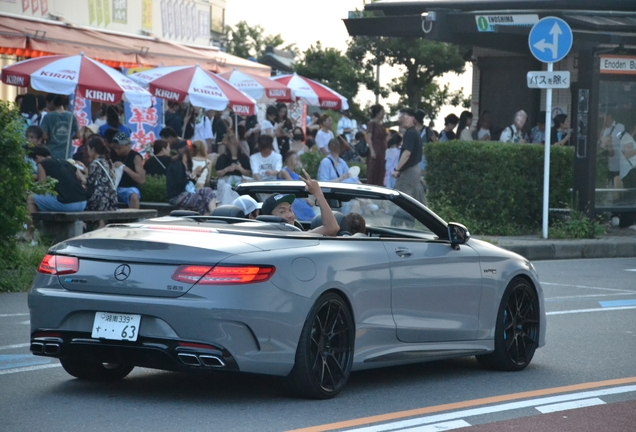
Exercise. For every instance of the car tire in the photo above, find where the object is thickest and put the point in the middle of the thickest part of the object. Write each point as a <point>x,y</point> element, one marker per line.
<point>94,371</point>
<point>325,350</point>
<point>517,328</point>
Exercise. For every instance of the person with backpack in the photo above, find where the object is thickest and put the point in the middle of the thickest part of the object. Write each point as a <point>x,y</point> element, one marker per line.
<point>514,132</point>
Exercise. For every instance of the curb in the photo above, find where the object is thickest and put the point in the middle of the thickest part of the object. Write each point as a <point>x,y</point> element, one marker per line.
<point>617,247</point>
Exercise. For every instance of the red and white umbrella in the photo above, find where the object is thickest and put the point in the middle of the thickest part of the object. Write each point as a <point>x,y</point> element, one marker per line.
<point>313,93</point>
<point>62,74</point>
<point>198,86</point>
<point>259,88</point>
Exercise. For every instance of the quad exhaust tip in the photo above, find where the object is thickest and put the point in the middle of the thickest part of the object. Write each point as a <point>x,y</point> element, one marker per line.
<point>45,348</point>
<point>201,360</point>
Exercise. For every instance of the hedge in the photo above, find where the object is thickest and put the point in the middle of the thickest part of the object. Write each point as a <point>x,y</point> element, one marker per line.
<point>15,182</point>
<point>495,188</point>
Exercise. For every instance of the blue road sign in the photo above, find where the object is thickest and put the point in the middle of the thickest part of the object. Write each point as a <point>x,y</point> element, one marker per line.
<point>550,40</point>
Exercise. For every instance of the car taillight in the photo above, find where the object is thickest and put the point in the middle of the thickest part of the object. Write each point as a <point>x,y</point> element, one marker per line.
<point>223,275</point>
<point>190,273</point>
<point>58,265</point>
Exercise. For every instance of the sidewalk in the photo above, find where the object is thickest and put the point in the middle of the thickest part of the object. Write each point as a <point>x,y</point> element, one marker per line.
<point>617,242</point>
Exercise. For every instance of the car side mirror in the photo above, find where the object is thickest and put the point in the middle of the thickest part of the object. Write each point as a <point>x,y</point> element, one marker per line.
<point>457,234</point>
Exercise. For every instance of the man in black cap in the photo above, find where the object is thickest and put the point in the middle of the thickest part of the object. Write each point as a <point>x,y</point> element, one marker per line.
<point>280,205</point>
<point>407,170</point>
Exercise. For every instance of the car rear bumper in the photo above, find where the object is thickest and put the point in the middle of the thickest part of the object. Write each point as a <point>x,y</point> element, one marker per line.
<point>254,328</point>
<point>146,352</point>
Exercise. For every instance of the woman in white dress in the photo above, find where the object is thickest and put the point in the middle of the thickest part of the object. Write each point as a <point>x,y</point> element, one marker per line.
<point>200,159</point>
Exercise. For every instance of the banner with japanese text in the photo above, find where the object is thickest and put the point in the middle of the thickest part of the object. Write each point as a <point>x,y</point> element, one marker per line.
<point>83,114</point>
<point>145,125</point>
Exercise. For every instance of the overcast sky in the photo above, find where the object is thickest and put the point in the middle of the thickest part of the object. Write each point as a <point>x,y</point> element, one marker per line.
<point>304,22</point>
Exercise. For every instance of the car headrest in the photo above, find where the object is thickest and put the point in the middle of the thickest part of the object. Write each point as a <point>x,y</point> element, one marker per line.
<point>228,211</point>
<point>340,218</point>
<point>270,218</point>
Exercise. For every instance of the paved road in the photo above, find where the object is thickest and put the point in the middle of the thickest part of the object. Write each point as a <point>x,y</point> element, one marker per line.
<point>588,363</point>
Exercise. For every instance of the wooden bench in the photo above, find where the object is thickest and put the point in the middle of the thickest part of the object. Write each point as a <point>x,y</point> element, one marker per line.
<point>64,225</point>
<point>163,208</point>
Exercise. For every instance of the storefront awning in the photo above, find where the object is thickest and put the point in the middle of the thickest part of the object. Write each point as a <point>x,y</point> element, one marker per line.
<point>33,38</point>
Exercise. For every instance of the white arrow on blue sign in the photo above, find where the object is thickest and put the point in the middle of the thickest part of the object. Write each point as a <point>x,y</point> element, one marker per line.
<point>550,40</point>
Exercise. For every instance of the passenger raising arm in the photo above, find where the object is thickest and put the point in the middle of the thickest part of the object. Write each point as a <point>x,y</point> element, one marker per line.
<point>329,225</point>
<point>281,205</point>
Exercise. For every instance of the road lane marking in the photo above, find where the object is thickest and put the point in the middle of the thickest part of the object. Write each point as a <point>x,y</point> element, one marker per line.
<point>14,361</point>
<point>564,406</point>
<point>465,404</point>
<point>13,315</point>
<point>8,347</point>
<point>399,425</point>
<point>634,270</point>
<point>615,303</point>
<point>574,311</point>
<point>568,298</point>
<point>439,426</point>
<point>29,368</point>
<point>587,287</point>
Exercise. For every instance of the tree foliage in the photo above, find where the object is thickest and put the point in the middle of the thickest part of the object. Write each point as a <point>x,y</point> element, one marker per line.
<point>246,41</point>
<point>422,61</point>
<point>15,181</point>
<point>332,68</point>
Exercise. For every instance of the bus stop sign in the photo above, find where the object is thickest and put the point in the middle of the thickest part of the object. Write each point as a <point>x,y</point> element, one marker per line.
<point>550,40</point>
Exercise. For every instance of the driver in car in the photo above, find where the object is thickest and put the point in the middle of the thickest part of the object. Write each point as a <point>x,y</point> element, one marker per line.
<point>280,205</point>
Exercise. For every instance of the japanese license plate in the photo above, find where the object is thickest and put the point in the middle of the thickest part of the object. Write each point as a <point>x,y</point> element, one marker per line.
<point>116,326</point>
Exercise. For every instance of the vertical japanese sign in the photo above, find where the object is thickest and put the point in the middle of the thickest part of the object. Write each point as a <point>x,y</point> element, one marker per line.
<point>144,123</point>
<point>184,19</point>
<point>177,19</point>
<point>92,11</point>
<point>170,18</point>
<point>100,11</point>
<point>190,12</point>
<point>204,24</point>
<point>25,5</point>
<point>83,114</point>
<point>164,18</point>
<point>44,7</point>
<point>146,14</point>
<point>107,13</point>
<point>35,6</point>
<point>120,11</point>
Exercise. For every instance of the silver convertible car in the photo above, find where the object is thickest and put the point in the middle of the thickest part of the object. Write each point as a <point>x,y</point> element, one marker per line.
<point>223,293</point>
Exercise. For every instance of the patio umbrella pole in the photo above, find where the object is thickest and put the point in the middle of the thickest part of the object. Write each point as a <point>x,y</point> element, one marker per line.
<point>70,126</point>
<point>186,119</point>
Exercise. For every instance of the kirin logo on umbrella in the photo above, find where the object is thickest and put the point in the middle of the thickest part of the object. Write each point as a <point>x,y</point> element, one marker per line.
<point>329,104</point>
<point>64,74</point>
<point>99,96</point>
<point>241,109</point>
<point>208,90</point>
<point>274,93</point>
<point>167,94</point>
<point>15,80</point>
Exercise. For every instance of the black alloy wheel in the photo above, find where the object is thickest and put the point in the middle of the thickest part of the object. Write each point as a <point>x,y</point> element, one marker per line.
<point>517,330</point>
<point>325,350</point>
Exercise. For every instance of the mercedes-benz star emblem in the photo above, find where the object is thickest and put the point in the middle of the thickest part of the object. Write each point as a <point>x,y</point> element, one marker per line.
<point>122,272</point>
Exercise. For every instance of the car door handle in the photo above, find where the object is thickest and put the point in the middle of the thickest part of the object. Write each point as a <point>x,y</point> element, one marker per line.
<point>403,252</point>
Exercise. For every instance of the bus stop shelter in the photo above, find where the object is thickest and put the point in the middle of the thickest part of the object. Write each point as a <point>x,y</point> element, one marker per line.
<point>601,101</point>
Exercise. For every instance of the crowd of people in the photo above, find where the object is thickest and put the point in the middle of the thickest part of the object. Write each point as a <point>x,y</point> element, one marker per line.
<point>106,173</point>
